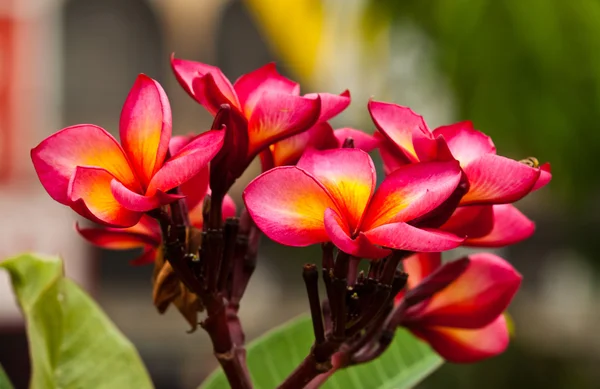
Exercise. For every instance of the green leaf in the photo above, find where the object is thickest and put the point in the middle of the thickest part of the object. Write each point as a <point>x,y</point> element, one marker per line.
<point>273,356</point>
<point>4,381</point>
<point>73,344</point>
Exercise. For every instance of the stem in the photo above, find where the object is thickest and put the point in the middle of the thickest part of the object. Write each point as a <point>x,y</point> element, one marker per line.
<point>221,324</point>
<point>304,373</point>
<point>311,279</point>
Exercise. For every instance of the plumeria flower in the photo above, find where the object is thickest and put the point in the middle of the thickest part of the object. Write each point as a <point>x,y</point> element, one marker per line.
<point>493,179</point>
<point>330,196</point>
<point>146,234</point>
<point>84,167</point>
<point>321,137</point>
<point>464,321</point>
<point>266,107</point>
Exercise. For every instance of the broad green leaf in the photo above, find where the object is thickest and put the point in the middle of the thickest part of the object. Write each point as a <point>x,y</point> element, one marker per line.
<point>73,344</point>
<point>4,381</point>
<point>273,356</point>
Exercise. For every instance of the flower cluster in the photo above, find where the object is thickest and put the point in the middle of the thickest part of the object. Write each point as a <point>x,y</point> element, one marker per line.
<point>168,195</point>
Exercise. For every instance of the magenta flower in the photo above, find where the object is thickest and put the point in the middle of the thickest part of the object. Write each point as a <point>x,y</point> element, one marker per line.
<point>84,167</point>
<point>330,196</point>
<point>265,109</point>
<point>493,179</point>
<point>146,234</point>
<point>464,321</point>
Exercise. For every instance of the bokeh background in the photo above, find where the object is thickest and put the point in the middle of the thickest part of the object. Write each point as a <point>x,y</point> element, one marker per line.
<point>527,72</point>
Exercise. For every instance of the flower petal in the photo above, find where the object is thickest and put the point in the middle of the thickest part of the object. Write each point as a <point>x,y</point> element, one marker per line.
<point>222,92</point>
<point>189,162</point>
<point>359,247</point>
<point>278,116</point>
<point>403,236</point>
<point>471,222</point>
<point>196,188</point>
<point>288,205</point>
<point>400,125</point>
<point>288,151</point>
<point>116,238</point>
<point>145,127</point>
<point>349,177</point>
<point>251,86</point>
<point>91,187</point>
<point>390,155</point>
<point>496,180</point>
<point>331,105</point>
<point>362,140</point>
<point>510,226</point>
<point>459,345</point>
<point>412,191</point>
<point>545,177</point>
<point>56,158</point>
<point>207,92</point>
<point>466,143</point>
<point>420,265</point>
<point>139,203</point>
<point>476,297</point>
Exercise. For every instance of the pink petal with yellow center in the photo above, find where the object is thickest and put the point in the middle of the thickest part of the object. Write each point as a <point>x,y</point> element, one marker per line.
<point>497,180</point>
<point>188,71</point>
<point>91,186</point>
<point>189,162</point>
<point>510,226</point>
<point>278,116</point>
<point>412,191</point>
<point>56,158</point>
<point>400,125</point>
<point>331,105</point>
<point>460,345</point>
<point>466,143</point>
<point>251,86</point>
<point>362,140</point>
<point>288,151</point>
<point>476,297</point>
<point>545,177</point>
<point>419,266</point>
<point>349,177</point>
<point>288,205</point>
<point>145,127</point>
<point>358,246</point>
<point>403,236</point>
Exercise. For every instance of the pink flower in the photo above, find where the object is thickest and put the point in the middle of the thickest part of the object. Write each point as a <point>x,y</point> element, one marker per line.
<point>84,167</point>
<point>493,179</point>
<point>146,234</point>
<point>330,196</point>
<point>463,321</point>
<point>265,108</point>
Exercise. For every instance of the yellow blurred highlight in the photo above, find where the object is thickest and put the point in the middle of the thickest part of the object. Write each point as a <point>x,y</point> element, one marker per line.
<point>510,324</point>
<point>294,29</point>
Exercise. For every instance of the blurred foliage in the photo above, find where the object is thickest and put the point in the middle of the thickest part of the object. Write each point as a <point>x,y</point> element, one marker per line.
<point>525,72</point>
